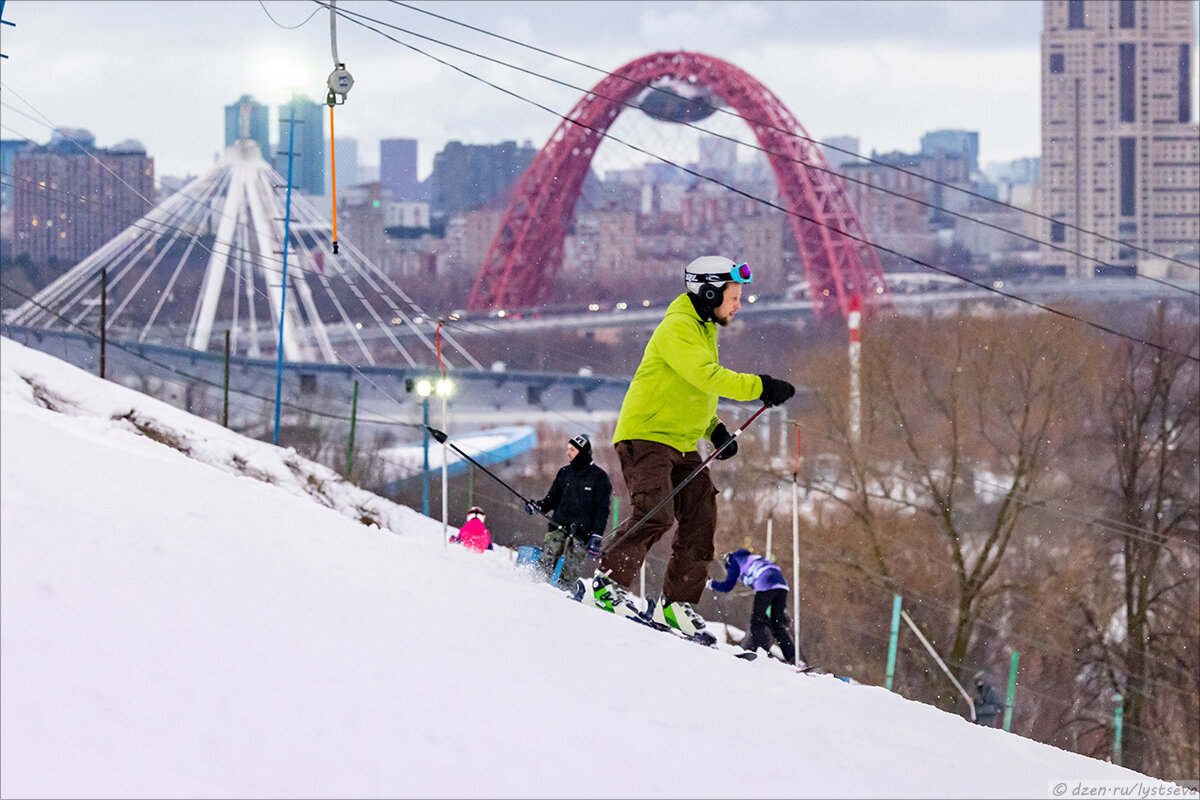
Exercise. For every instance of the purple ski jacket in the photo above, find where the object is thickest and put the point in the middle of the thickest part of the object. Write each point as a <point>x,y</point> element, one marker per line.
<point>753,570</point>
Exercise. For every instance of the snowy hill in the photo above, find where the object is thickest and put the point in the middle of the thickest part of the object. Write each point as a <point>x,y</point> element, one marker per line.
<point>188,613</point>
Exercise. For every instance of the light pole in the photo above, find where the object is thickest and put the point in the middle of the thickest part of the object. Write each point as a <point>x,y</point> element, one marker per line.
<point>444,388</point>
<point>425,388</point>
<point>287,233</point>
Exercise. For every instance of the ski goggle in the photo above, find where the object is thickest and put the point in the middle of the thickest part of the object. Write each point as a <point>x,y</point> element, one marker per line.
<point>739,274</point>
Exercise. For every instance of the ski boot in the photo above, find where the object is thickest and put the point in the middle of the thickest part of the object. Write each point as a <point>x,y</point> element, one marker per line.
<point>683,618</point>
<point>606,594</point>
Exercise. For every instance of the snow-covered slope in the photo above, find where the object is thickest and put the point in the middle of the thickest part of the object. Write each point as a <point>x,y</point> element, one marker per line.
<point>223,623</point>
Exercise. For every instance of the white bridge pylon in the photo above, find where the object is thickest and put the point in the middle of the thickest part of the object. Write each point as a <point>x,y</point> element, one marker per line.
<point>209,259</point>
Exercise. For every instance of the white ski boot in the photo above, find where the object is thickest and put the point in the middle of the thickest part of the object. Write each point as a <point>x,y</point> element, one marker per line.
<point>606,594</point>
<point>683,618</point>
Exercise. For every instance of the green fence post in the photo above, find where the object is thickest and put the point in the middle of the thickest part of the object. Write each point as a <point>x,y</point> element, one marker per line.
<point>616,505</point>
<point>1012,690</point>
<point>1117,725</point>
<point>353,422</point>
<point>891,662</point>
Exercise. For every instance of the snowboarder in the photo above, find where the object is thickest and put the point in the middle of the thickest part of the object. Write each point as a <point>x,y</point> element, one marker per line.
<point>671,404</point>
<point>770,599</point>
<point>474,534</point>
<point>578,503</point>
<point>988,704</point>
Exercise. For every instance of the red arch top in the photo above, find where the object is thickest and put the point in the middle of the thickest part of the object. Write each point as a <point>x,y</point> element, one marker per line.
<point>524,258</point>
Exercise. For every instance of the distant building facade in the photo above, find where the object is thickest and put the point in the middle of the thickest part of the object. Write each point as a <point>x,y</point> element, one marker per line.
<point>9,148</point>
<point>953,142</point>
<point>398,168</point>
<point>468,176</point>
<point>1120,150</point>
<point>249,119</point>
<point>345,159</point>
<point>839,150</point>
<point>309,162</point>
<point>884,189</point>
<point>71,197</point>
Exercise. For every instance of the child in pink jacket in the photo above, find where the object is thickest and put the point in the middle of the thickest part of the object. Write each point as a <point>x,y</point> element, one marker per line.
<point>474,534</point>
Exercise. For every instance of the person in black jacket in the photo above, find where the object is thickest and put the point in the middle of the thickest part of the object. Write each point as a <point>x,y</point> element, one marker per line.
<point>988,704</point>
<point>578,506</point>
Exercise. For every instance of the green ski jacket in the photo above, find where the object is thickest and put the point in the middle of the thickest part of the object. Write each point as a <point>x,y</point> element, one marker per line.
<point>672,398</point>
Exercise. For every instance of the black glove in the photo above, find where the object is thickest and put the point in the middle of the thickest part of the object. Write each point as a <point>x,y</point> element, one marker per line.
<point>533,507</point>
<point>720,436</point>
<point>775,392</point>
<point>593,545</point>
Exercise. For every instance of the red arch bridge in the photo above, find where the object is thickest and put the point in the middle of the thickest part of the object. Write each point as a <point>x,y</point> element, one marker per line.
<point>524,258</point>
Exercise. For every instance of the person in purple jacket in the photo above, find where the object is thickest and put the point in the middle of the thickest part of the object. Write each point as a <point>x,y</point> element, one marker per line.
<point>770,599</point>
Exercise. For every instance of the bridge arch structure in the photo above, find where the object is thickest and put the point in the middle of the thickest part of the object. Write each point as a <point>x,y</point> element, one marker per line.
<point>526,253</point>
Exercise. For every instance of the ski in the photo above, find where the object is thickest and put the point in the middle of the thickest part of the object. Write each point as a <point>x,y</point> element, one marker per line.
<point>809,669</point>
<point>708,640</point>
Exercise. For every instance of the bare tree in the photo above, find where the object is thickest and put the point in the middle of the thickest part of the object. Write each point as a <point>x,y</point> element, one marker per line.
<point>964,421</point>
<point>1152,427</point>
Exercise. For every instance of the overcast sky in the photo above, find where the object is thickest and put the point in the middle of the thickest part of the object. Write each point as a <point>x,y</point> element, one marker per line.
<point>161,72</point>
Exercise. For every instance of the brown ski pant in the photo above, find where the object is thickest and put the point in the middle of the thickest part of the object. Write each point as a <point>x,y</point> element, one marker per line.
<point>651,471</point>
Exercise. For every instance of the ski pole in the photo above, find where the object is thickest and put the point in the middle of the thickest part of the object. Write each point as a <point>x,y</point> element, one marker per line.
<point>443,439</point>
<point>711,456</point>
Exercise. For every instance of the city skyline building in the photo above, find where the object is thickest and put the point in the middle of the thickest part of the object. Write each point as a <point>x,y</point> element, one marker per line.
<point>467,176</point>
<point>9,148</point>
<point>248,119</point>
<point>398,168</point>
<point>839,150</point>
<point>953,142</point>
<point>309,161</point>
<point>345,157</point>
<point>71,197</point>
<point>1120,152</point>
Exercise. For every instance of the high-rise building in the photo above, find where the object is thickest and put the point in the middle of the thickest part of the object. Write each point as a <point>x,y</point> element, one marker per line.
<point>839,150</point>
<point>9,148</point>
<point>345,157</point>
<point>398,168</point>
<point>952,142</point>
<point>308,157</point>
<point>1120,152</point>
<point>248,119</point>
<point>890,217</point>
<point>466,176</point>
<point>1018,171</point>
<point>70,197</point>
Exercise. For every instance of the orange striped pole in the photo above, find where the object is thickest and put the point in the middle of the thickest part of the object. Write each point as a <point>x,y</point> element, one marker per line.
<point>333,177</point>
<point>853,321</point>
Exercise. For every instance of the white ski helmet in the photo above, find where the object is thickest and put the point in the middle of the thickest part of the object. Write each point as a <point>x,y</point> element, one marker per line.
<point>706,277</point>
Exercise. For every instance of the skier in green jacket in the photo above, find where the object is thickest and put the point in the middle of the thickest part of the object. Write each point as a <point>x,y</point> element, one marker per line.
<point>671,404</point>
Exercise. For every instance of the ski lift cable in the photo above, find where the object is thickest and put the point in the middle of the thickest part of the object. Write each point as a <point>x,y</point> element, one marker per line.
<point>987,287</point>
<point>788,133</point>
<point>832,172</point>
